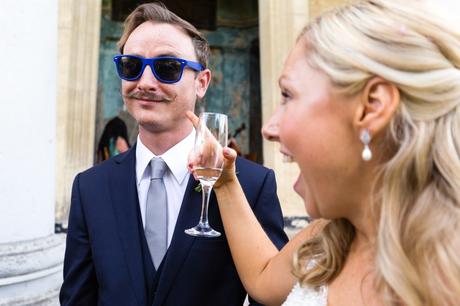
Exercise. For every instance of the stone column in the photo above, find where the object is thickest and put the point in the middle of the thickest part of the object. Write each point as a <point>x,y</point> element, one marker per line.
<point>280,22</point>
<point>78,37</point>
<point>319,6</point>
<point>30,254</point>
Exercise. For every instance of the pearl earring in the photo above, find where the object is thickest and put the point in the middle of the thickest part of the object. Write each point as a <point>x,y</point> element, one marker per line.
<point>365,138</point>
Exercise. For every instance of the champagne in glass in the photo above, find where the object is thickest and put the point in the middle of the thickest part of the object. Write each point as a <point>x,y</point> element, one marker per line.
<point>207,160</point>
<point>209,175</point>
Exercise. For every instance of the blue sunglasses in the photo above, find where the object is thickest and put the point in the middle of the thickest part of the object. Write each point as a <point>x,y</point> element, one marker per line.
<point>165,69</point>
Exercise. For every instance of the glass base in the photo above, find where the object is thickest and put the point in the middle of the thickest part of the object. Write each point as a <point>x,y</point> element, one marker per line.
<point>202,230</point>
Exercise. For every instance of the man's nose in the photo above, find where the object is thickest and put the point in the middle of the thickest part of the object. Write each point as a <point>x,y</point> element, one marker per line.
<point>270,130</point>
<point>147,81</point>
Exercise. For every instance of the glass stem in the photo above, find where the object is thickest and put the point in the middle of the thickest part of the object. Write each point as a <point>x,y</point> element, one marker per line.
<point>206,188</point>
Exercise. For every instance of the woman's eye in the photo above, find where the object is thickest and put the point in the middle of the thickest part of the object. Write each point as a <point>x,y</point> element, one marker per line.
<point>284,97</point>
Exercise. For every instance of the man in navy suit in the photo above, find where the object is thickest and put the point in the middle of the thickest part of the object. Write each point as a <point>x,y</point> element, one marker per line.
<point>108,259</point>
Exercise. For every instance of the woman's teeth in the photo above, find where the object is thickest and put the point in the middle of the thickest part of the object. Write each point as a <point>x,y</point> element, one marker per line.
<point>287,158</point>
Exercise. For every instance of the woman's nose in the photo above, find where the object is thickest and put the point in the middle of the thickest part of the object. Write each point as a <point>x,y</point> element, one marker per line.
<point>270,130</point>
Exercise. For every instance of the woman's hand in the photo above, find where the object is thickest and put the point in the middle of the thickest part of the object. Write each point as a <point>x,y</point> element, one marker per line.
<point>229,156</point>
<point>228,171</point>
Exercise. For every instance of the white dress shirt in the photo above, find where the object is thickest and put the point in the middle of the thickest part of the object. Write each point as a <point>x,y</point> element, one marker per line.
<point>175,178</point>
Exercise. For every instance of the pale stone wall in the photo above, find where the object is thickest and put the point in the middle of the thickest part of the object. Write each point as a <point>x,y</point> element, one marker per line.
<point>280,23</point>
<point>78,37</point>
<point>319,6</point>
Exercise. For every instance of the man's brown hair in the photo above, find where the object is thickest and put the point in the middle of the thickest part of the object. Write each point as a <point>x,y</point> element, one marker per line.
<point>157,12</point>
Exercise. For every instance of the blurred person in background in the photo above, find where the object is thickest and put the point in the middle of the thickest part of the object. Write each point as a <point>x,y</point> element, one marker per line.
<point>114,140</point>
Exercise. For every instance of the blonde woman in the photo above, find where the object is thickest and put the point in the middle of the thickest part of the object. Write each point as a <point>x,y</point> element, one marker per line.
<point>370,113</point>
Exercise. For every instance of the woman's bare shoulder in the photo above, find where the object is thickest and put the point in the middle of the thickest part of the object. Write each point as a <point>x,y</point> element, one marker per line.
<point>312,229</point>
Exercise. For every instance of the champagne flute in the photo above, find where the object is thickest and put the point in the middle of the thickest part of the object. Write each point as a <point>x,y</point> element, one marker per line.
<point>207,162</point>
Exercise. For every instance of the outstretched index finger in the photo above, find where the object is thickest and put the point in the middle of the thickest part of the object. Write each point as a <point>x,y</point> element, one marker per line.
<point>193,118</point>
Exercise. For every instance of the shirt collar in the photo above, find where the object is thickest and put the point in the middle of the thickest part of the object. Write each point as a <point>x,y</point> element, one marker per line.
<point>176,158</point>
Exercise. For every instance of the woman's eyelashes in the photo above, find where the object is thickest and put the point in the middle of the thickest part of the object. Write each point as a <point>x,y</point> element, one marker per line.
<point>285,97</point>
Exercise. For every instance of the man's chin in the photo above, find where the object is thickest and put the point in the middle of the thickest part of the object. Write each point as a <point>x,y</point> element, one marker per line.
<point>146,117</point>
<point>152,126</point>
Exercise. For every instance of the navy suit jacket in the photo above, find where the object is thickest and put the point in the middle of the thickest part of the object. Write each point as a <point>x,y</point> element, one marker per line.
<point>107,261</point>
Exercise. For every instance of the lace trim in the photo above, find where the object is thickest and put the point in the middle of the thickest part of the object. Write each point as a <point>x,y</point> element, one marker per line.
<point>306,296</point>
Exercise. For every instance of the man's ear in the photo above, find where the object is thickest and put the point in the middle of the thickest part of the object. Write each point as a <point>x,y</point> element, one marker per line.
<point>202,81</point>
<point>379,101</point>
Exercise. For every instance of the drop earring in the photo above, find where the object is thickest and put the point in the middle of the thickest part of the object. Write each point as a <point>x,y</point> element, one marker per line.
<point>365,138</point>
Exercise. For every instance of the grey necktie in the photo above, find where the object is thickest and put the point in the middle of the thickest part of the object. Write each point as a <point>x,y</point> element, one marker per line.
<point>156,212</point>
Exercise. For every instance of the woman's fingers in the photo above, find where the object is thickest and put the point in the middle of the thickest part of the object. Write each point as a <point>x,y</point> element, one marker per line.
<point>229,158</point>
<point>193,118</point>
<point>228,171</point>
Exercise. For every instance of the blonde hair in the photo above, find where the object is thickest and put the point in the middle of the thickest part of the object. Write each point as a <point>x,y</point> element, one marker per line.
<point>418,205</point>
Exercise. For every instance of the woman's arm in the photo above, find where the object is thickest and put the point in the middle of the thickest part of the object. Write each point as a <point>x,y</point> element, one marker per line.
<point>265,271</point>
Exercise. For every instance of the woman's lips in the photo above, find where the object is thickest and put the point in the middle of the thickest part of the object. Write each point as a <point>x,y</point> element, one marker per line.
<point>287,158</point>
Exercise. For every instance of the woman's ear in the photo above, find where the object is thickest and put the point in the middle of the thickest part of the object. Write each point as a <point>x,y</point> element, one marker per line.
<point>379,102</point>
<point>202,81</point>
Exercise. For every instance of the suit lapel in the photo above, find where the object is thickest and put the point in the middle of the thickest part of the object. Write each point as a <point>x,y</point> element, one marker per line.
<point>181,243</point>
<point>126,206</point>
